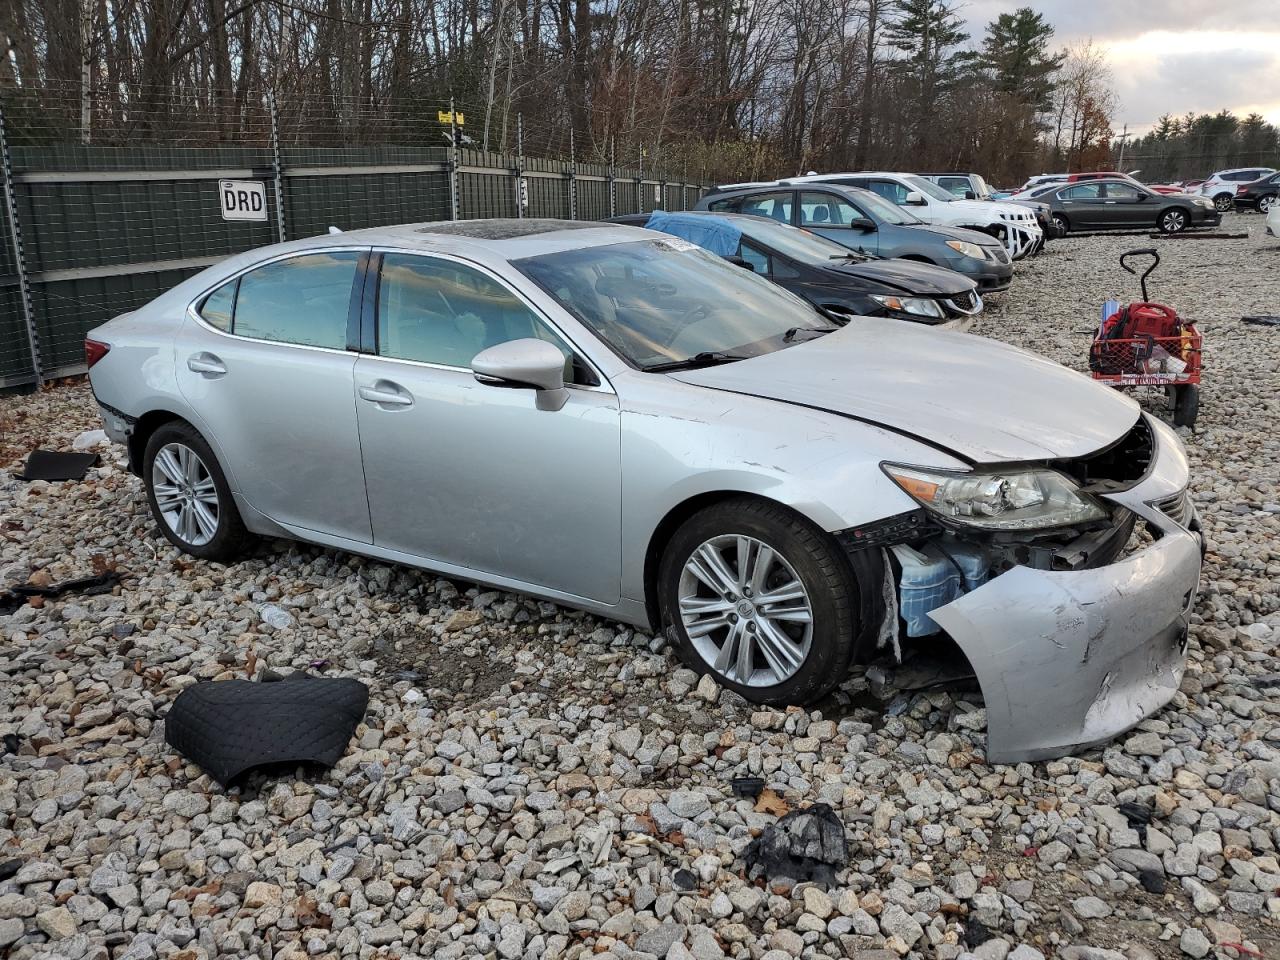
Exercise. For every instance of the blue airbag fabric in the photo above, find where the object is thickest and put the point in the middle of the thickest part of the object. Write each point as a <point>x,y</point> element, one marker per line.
<point>712,233</point>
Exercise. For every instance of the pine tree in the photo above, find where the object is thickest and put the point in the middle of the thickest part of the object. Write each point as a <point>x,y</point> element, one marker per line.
<point>1016,52</point>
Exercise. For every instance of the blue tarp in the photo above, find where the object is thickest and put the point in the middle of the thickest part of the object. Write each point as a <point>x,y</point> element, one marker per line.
<point>717,234</point>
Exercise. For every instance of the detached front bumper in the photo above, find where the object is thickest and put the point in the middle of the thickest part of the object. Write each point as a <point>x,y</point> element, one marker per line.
<point>1070,659</point>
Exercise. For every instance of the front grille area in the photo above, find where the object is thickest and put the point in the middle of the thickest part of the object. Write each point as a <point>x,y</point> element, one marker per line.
<point>1177,507</point>
<point>966,302</point>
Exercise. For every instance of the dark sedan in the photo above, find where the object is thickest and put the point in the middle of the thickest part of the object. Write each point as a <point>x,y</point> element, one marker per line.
<point>842,283</point>
<point>1260,195</point>
<point>1124,205</point>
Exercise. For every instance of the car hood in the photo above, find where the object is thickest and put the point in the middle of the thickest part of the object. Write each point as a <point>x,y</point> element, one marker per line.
<point>981,399</point>
<point>905,276</point>
<point>955,233</point>
<point>987,209</point>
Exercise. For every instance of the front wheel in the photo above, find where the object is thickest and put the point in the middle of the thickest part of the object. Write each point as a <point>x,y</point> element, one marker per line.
<point>1062,224</point>
<point>189,494</point>
<point>1266,203</point>
<point>765,601</point>
<point>1173,221</point>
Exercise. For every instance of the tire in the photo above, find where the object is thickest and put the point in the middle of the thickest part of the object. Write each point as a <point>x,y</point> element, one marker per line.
<point>198,515</point>
<point>1173,220</point>
<point>1186,405</point>
<point>1225,202</point>
<point>1062,223</point>
<point>799,662</point>
<point>1265,203</point>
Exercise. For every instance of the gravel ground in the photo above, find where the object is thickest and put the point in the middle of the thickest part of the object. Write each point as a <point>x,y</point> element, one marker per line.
<point>534,782</point>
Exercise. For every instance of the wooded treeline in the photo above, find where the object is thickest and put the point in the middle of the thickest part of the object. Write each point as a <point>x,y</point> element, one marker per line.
<point>726,88</point>
<point>1178,148</point>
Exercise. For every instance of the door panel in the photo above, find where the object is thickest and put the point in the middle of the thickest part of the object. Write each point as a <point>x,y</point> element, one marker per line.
<point>284,418</point>
<point>282,414</point>
<point>476,475</point>
<point>1083,205</point>
<point>1124,206</point>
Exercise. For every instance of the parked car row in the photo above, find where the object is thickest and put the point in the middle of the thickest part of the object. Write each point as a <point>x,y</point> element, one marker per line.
<point>1249,187</point>
<point>620,421</point>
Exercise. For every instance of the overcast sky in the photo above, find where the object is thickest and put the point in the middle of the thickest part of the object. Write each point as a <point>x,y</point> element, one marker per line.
<point>1169,56</point>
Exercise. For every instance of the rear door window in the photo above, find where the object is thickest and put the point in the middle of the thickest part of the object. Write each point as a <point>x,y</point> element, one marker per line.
<point>1082,191</point>
<point>303,300</point>
<point>775,206</point>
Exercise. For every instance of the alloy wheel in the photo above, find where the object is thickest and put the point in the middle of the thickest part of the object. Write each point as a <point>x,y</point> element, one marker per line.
<point>1173,221</point>
<point>1266,203</point>
<point>1224,203</point>
<point>745,610</point>
<point>185,493</point>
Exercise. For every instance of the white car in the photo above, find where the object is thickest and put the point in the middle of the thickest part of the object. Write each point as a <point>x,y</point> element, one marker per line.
<point>1222,186</point>
<point>1273,221</point>
<point>1013,225</point>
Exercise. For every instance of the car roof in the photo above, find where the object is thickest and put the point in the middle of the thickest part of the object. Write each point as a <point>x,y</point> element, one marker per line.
<point>495,239</point>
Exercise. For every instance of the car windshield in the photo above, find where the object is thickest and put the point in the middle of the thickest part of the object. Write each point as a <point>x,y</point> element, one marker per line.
<point>794,242</point>
<point>930,188</point>
<point>884,211</point>
<point>661,301</point>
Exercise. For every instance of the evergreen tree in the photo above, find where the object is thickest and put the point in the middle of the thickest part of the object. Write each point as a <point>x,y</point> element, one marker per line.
<point>1016,52</point>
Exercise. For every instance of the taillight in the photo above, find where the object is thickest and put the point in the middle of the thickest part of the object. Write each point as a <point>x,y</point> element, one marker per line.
<point>94,350</point>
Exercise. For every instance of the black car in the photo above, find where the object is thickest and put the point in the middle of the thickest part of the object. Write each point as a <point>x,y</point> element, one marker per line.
<point>842,283</point>
<point>1125,205</point>
<point>1260,194</point>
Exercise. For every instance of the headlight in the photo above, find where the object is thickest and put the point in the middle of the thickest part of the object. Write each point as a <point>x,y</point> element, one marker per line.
<point>1205,202</point>
<point>966,249</point>
<point>1013,500</point>
<point>919,306</point>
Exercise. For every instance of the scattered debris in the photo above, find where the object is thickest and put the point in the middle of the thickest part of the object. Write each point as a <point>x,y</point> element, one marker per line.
<point>770,802</point>
<point>89,439</point>
<point>39,586</point>
<point>52,465</point>
<point>976,933</point>
<point>230,727</point>
<point>9,868</point>
<point>805,845</point>
<point>685,880</point>
<point>747,787</point>
<point>1263,320</point>
<point>11,743</point>
<point>1188,235</point>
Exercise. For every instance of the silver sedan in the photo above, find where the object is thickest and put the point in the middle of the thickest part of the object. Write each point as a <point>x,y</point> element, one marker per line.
<point>619,421</point>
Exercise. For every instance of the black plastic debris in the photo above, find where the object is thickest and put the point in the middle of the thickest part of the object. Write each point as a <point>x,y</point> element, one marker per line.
<point>230,727</point>
<point>1152,881</point>
<point>55,465</point>
<point>12,599</point>
<point>1138,814</point>
<point>748,787</point>
<point>975,933</point>
<point>685,880</point>
<point>1263,320</point>
<point>9,868</point>
<point>805,845</point>
<point>11,743</point>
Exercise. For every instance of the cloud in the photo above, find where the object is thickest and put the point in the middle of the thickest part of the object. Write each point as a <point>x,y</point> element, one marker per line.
<point>1170,57</point>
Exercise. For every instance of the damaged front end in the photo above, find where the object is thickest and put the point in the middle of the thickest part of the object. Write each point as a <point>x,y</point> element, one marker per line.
<point>1075,631</point>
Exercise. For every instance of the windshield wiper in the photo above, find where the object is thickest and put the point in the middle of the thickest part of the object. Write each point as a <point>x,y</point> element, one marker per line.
<point>796,331</point>
<point>708,358</point>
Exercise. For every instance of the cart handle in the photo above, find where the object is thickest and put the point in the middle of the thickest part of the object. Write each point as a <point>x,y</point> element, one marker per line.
<point>1144,252</point>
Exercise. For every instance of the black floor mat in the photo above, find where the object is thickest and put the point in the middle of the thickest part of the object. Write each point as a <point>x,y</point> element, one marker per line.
<point>230,727</point>
<point>53,465</point>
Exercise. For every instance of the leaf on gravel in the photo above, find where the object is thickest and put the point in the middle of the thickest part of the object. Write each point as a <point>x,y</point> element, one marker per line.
<point>40,578</point>
<point>770,802</point>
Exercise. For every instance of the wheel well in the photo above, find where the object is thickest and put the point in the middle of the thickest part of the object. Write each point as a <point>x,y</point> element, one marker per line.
<point>147,424</point>
<point>666,529</point>
<point>917,258</point>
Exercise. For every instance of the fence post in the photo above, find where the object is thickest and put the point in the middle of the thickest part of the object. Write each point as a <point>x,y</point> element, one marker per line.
<point>277,168</point>
<point>573,180</point>
<point>640,182</point>
<point>453,162</point>
<point>520,187</point>
<point>613,198</point>
<point>20,262</point>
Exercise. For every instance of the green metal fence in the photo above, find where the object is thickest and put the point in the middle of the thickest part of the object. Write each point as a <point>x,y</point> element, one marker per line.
<point>104,229</point>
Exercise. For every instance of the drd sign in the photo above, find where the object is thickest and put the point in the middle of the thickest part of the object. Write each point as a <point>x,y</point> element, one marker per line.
<point>243,200</point>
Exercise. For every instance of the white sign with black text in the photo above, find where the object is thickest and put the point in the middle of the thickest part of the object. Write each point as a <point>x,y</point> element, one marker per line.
<point>243,200</point>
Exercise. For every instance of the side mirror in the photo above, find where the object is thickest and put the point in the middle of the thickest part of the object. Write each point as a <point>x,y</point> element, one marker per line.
<point>739,262</point>
<point>970,195</point>
<point>523,364</point>
<point>865,224</point>
<point>913,199</point>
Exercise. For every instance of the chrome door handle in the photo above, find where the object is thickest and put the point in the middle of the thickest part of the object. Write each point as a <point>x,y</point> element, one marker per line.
<point>386,394</point>
<point>206,364</point>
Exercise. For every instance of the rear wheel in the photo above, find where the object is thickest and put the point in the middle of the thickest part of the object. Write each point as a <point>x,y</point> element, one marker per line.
<point>1186,405</point>
<point>764,601</point>
<point>1062,224</point>
<point>1224,202</point>
<point>1266,203</point>
<point>189,494</point>
<point>1173,220</point>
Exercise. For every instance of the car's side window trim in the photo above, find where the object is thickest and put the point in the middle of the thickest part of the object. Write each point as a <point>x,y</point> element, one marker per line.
<point>379,252</point>
<point>193,308</point>
<point>355,306</point>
